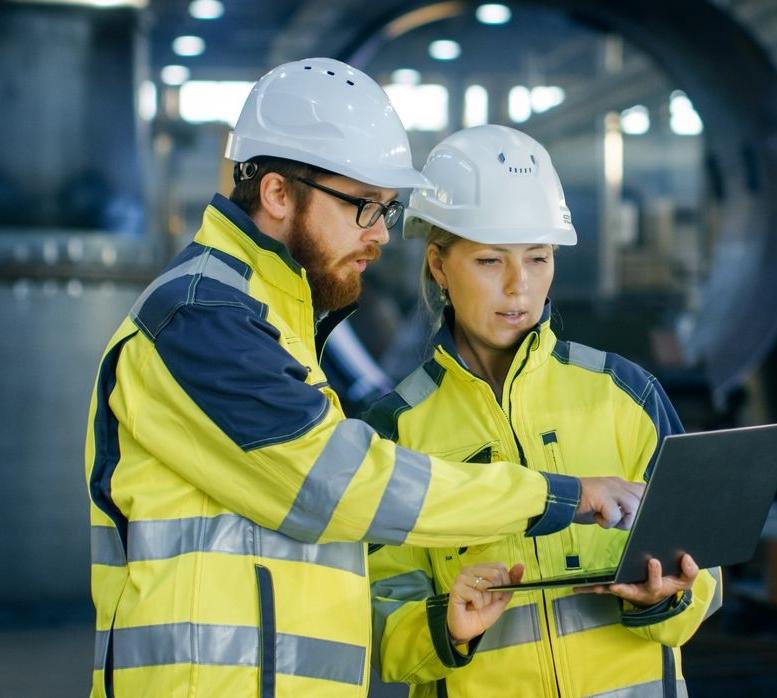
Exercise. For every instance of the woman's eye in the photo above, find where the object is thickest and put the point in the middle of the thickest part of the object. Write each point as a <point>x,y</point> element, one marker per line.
<point>487,261</point>
<point>540,259</point>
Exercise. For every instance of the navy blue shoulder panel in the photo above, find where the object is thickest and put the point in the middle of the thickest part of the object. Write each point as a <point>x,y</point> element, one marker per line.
<point>106,442</point>
<point>200,273</point>
<point>216,342</point>
<point>383,415</point>
<point>435,371</point>
<point>227,358</point>
<point>634,380</point>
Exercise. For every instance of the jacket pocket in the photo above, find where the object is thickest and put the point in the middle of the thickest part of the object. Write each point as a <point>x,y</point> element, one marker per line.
<point>554,463</point>
<point>266,632</point>
<point>479,452</point>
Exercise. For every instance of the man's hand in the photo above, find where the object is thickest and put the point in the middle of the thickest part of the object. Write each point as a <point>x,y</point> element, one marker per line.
<point>608,501</point>
<point>472,609</point>
<point>656,588</point>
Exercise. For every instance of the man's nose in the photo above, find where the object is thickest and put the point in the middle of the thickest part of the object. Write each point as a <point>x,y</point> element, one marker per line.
<point>378,232</point>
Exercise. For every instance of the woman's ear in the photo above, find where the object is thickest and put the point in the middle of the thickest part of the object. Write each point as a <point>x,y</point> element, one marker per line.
<point>435,261</point>
<point>274,197</point>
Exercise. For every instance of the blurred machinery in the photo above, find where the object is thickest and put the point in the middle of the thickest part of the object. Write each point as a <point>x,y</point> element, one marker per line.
<point>660,117</point>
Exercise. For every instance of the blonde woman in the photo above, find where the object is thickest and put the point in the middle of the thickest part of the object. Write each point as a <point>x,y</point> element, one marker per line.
<point>502,386</point>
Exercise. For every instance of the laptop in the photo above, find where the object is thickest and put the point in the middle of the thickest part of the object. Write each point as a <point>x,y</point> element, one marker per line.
<point>709,495</point>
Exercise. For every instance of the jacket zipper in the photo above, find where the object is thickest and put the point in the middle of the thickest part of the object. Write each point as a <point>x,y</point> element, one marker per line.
<point>537,561</point>
<point>505,414</point>
<point>507,411</point>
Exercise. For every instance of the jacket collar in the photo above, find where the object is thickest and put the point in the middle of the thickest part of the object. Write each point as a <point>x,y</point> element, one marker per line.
<point>245,224</point>
<point>531,352</point>
<point>228,228</point>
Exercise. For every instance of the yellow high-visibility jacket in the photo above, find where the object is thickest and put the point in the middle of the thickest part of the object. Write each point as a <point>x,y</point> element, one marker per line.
<point>566,408</point>
<point>231,499</point>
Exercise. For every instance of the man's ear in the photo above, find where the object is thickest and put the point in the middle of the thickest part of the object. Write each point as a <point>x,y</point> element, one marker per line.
<point>274,197</point>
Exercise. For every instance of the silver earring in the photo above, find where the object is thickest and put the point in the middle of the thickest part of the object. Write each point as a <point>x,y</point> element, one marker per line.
<point>444,295</point>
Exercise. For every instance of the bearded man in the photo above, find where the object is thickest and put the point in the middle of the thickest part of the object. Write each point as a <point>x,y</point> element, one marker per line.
<point>231,499</point>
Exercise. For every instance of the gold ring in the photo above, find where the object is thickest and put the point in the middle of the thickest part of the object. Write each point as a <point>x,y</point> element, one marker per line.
<point>477,581</point>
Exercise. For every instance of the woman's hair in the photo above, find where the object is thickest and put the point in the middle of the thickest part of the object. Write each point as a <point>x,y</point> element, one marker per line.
<point>432,297</point>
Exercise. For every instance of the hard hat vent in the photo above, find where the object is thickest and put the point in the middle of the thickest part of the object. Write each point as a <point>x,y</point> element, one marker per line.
<point>295,112</point>
<point>493,184</point>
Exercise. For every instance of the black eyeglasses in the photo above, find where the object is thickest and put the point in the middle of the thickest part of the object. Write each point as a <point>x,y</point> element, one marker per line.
<point>367,211</point>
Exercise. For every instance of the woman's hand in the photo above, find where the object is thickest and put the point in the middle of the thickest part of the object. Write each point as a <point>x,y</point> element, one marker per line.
<point>472,609</point>
<point>656,588</point>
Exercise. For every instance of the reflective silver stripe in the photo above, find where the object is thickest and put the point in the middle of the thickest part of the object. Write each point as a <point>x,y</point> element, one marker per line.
<point>416,387</point>
<point>411,586</point>
<point>185,643</point>
<point>188,267</point>
<point>221,271</point>
<point>717,598</point>
<point>327,480</point>
<point>389,595</point>
<point>402,499</point>
<point>586,357</point>
<point>230,645</point>
<point>229,533</point>
<point>107,548</point>
<point>320,659</point>
<point>652,689</point>
<point>516,626</point>
<point>204,264</point>
<point>381,610</point>
<point>100,648</point>
<point>581,612</point>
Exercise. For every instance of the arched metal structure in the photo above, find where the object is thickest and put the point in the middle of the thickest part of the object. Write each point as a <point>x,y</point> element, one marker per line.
<point>733,85</point>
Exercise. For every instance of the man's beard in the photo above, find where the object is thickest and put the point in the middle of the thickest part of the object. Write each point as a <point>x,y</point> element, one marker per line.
<point>329,291</point>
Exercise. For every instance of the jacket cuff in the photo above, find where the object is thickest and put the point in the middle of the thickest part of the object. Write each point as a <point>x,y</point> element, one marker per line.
<point>634,617</point>
<point>562,503</point>
<point>436,614</point>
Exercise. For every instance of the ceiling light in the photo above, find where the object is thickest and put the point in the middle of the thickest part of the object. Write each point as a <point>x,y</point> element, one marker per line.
<point>206,9</point>
<point>207,100</point>
<point>444,50</point>
<point>544,97</point>
<point>684,120</point>
<point>493,13</point>
<point>188,45</point>
<point>475,106</point>
<point>635,120</point>
<point>147,100</point>
<point>406,76</point>
<point>519,104</point>
<point>420,107</point>
<point>174,74</point>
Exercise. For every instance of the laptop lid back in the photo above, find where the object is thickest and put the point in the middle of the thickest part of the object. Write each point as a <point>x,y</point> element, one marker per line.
<point>709,495</point>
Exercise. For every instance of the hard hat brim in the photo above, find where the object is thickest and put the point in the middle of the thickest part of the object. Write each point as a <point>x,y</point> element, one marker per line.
<point>241,149</point>
<point>417,225</point>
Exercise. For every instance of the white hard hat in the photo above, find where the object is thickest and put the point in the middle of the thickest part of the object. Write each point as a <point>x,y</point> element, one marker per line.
<point>325,113</point>
<point>493,184</point>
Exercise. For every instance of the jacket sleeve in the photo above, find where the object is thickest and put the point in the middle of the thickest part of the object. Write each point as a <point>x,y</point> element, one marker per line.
<point>673,621</point>
<point>215,397</point>
<point>410,634</point>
